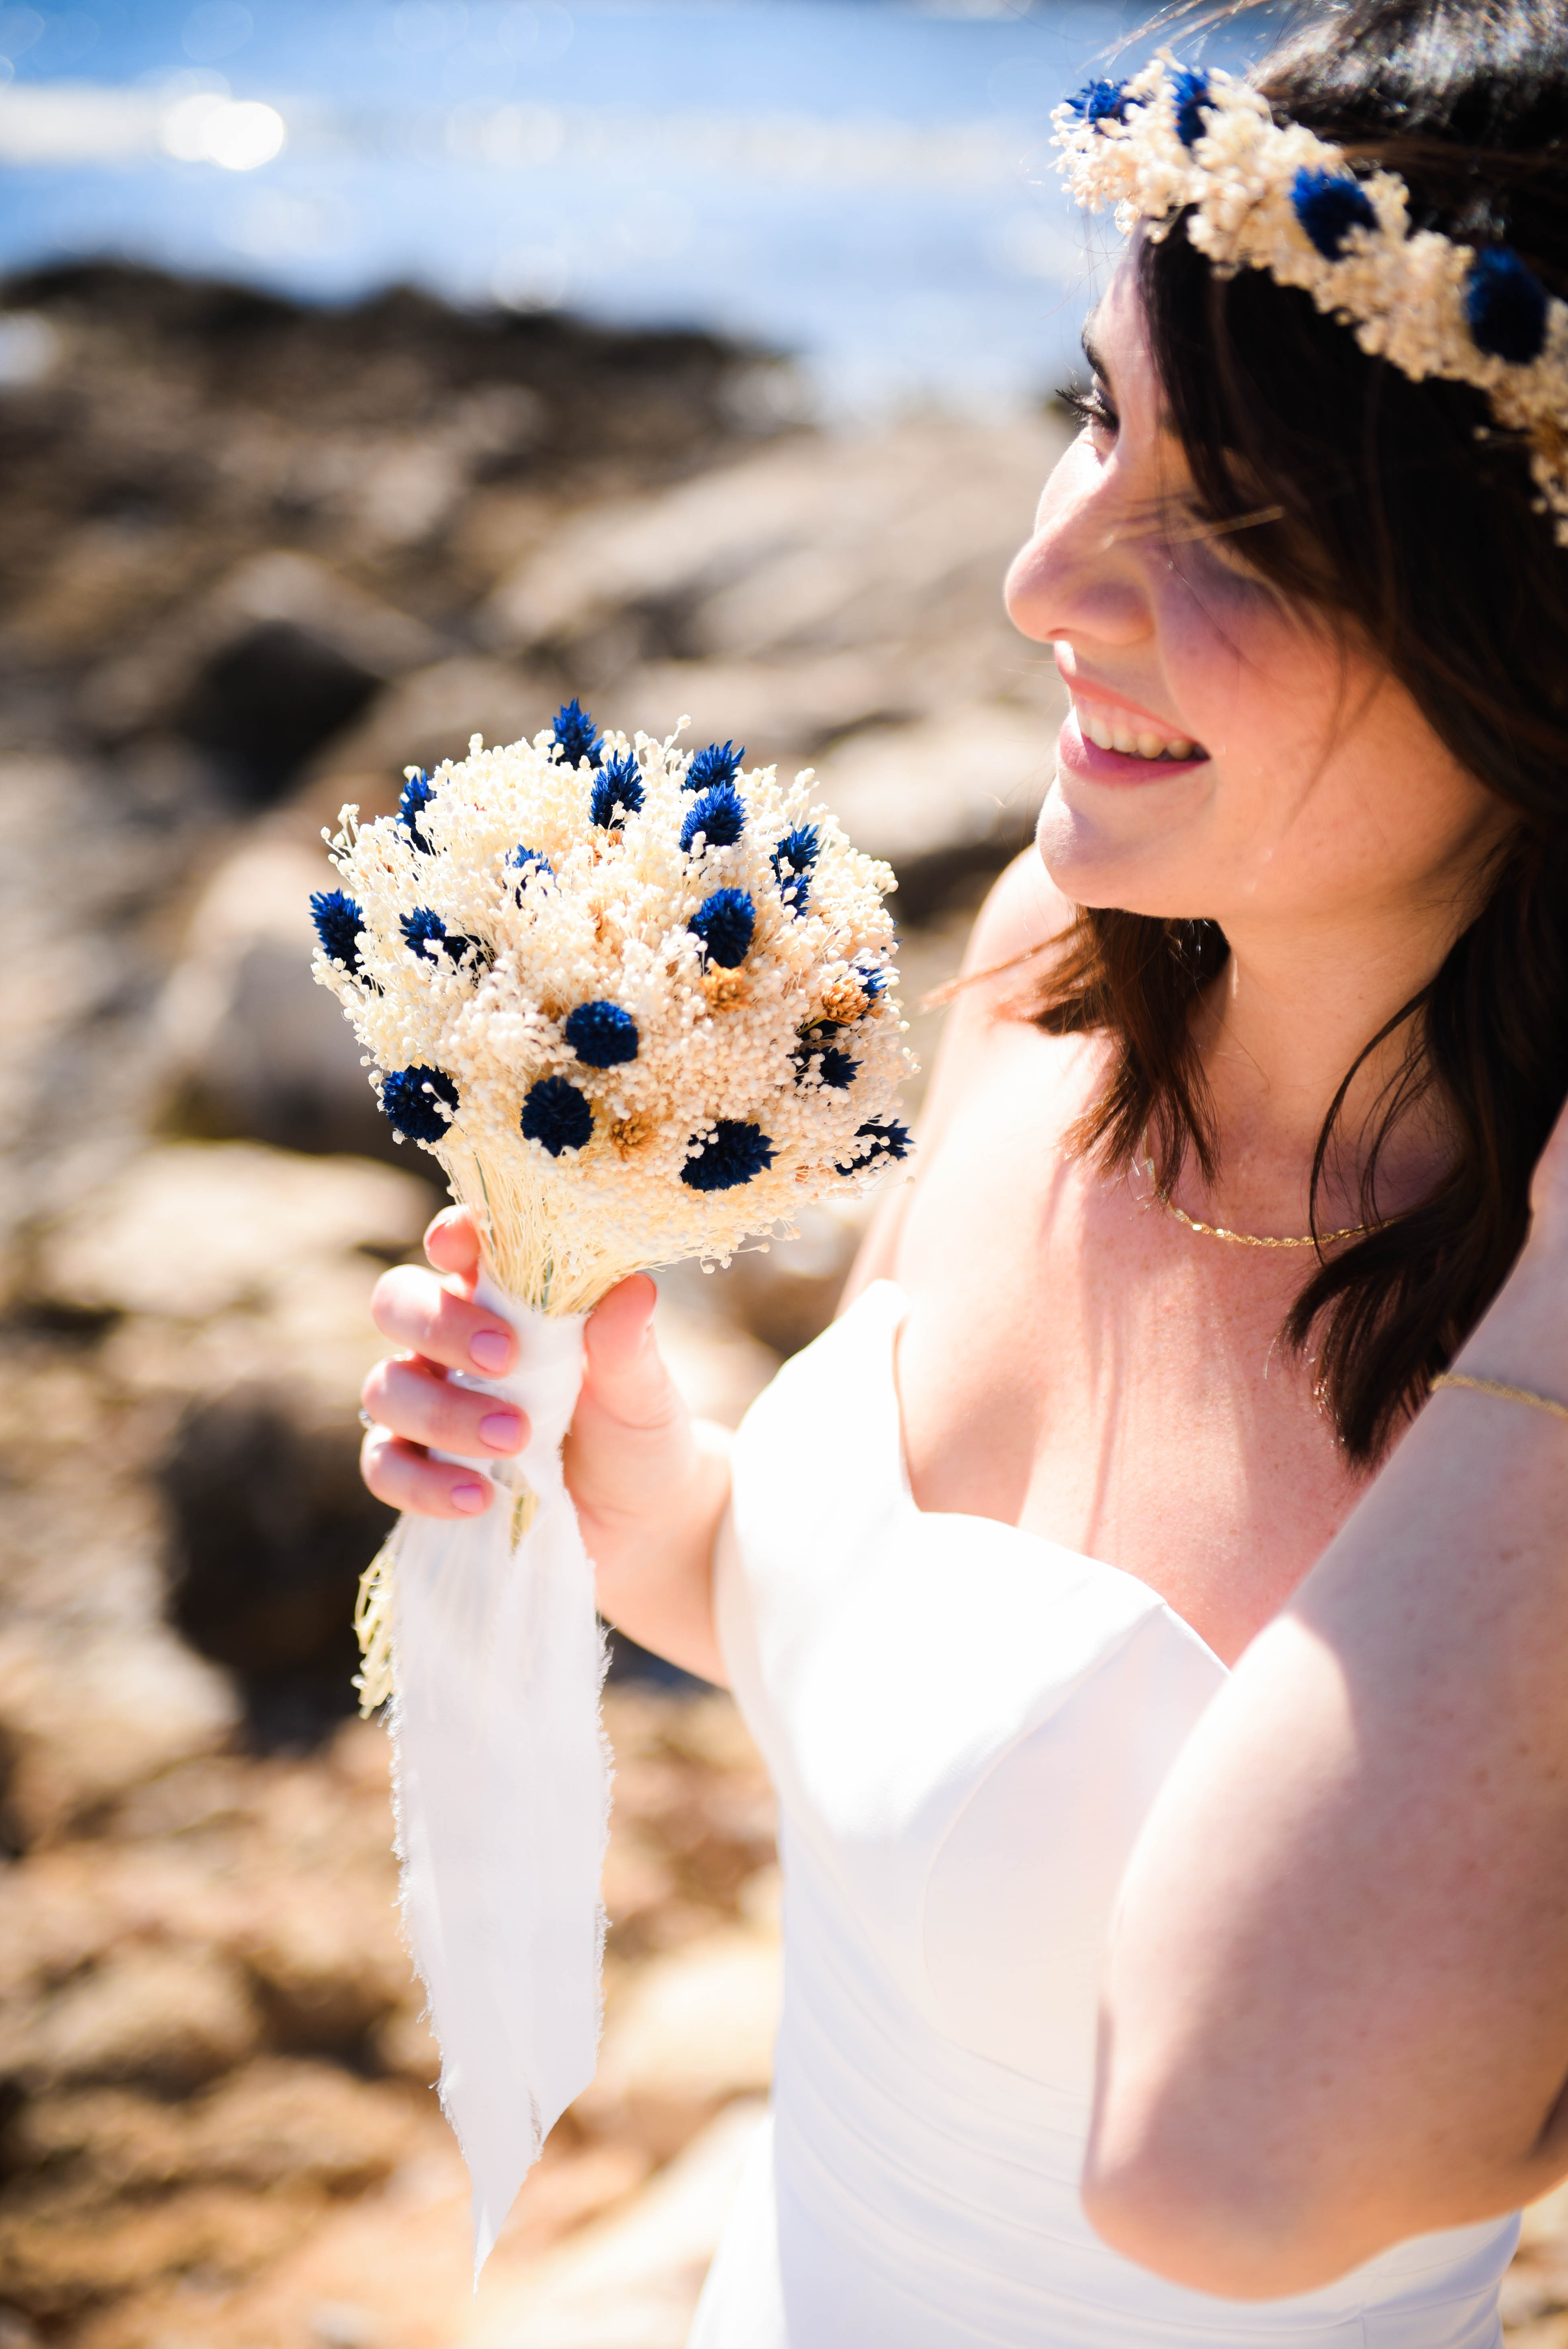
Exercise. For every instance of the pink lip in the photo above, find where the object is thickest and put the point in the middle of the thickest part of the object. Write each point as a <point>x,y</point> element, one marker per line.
<point>1084,758</point>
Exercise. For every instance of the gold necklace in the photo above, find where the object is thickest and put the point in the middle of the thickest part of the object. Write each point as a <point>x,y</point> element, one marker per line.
<point>1244,1239</point>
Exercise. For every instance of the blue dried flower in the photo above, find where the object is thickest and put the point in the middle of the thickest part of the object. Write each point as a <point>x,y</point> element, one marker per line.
<point>418,793</point>
<point>835,1068</point>
<point>793,859</point>
<point>1192,94</point>
<point>1505,306</point>
<point>420,1102</point>
<point>573,731</point>
<point>617,792</point>
<point>890,1141</point>
<point>719,815</point>
<point>717,764</point>
<point>1100,102</point>
<point>731,1155</point>
<point>426,934</point>
<point>725,923</point>
<point>1328,205</point>
<point>423,929</point>
<point>530,863</point>
<point>338,922</point>
<point>556,1114</point>
<point>874,981</point>
<point>602,1035</point>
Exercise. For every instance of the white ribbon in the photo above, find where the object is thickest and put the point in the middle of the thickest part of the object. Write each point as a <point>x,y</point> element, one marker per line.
<point>502,1784</point>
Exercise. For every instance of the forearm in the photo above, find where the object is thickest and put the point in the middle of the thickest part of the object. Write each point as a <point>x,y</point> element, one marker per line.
<point>1333,2015</point>
<point>653,1564</point>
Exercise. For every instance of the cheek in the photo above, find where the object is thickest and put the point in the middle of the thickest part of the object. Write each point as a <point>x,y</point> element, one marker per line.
<point>1242,677</point>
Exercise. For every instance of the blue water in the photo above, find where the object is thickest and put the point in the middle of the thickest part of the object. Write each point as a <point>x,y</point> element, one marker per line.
<point>866,186</point>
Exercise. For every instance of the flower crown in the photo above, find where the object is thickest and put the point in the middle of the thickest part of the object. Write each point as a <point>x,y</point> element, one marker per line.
<point>1261,194</point>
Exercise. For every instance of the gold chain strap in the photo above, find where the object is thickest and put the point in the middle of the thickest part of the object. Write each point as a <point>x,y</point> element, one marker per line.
<point>1503,1393</point>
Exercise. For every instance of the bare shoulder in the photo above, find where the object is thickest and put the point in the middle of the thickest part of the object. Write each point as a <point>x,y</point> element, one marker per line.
<point>1024,912</point>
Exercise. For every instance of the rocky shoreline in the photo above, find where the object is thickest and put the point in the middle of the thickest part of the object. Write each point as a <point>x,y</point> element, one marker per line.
<point>258,558</point>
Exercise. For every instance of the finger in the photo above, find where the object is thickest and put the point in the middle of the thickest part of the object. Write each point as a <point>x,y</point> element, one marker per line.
<point>408,1397</point>
<point>625,1374</point>
<point>452,1243</point>
<point>418,1312</point>
<point>402,1476</point>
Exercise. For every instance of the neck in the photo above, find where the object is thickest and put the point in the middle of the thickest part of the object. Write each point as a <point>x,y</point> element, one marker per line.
<point>1283,1026</point>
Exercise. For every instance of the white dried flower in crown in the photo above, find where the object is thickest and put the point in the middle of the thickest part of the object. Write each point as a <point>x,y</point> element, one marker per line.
<point>1261,194</point>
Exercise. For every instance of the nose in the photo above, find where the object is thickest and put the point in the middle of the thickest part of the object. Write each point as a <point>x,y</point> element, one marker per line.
<point>1078,578</point>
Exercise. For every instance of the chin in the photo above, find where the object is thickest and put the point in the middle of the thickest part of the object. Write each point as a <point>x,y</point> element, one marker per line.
<point>1121,857</point>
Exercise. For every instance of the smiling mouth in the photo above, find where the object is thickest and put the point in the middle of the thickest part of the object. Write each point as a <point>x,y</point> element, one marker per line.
<point>1117,730</point>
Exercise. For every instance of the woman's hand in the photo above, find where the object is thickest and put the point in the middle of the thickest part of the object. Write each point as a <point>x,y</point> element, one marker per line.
<point>650,1485</point>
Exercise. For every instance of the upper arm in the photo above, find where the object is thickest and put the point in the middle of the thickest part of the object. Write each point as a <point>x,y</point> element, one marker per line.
<point>1023,912</point>
<point>1337,2010</point>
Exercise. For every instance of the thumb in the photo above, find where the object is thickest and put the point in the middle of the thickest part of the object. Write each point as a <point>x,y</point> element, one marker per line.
<point>624,1369</point>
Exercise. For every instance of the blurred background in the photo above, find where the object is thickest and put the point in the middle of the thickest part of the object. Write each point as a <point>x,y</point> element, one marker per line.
<point>371,375</point>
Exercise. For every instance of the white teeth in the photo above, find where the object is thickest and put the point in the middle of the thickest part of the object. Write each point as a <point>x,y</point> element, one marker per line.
<point>1109,731</point>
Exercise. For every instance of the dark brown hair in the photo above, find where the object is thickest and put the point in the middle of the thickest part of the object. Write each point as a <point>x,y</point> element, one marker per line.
<point>1412,523</point>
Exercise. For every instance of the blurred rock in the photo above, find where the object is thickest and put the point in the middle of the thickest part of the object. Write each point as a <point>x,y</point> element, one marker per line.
<point>169,2018</point>
<point>82,1720</point>
<point>952,797</point>
<point>630,2282</point>
<point>277,659</point>
<point>426,718</point>
<point>249,1044</point>
<point>192,1230</point>
<point>270,1528</point>
<point>328,1964</point>
<point>692,2029</point>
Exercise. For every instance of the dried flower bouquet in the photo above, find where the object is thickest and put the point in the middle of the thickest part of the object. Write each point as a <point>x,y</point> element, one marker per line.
<point>638,1004</point>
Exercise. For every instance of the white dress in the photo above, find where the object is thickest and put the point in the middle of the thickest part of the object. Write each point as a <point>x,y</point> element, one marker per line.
<point>967,1725</point>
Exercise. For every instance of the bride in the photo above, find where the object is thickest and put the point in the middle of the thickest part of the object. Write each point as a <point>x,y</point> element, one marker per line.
<point>1228,1152</point>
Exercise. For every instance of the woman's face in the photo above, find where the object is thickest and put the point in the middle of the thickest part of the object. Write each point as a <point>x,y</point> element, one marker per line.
<point>1224,755</point>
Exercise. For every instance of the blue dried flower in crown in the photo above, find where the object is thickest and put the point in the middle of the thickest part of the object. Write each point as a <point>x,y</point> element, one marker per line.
<point>617,792</point>
<point>418,793</point>
<point>574,732</point>
<point>1329,204</point>
<point>719,815</point>
<point>1505,306</point>
<point>725,921</point>
<point>420,1102</point>
<point>556,1115</point>
<point>886,1141</point>
<point>530,864</point>
<point>338,922</point>
<point>719,763</point>
<point>602,1035</point>
<point>1100,102</point>
<point>731,1155</point>
<point>793,859</point>
<point>1191,91</point>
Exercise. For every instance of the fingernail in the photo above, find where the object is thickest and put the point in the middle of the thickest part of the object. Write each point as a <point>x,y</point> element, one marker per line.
<point>490,1350</point>
<point>470,1499</point>
<point>502,1429</point>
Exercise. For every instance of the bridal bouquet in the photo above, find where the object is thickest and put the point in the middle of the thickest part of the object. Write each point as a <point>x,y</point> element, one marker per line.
<point>638,1003</point>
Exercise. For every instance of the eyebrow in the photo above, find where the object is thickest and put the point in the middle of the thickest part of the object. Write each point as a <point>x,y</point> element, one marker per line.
<point>1092,352</point>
